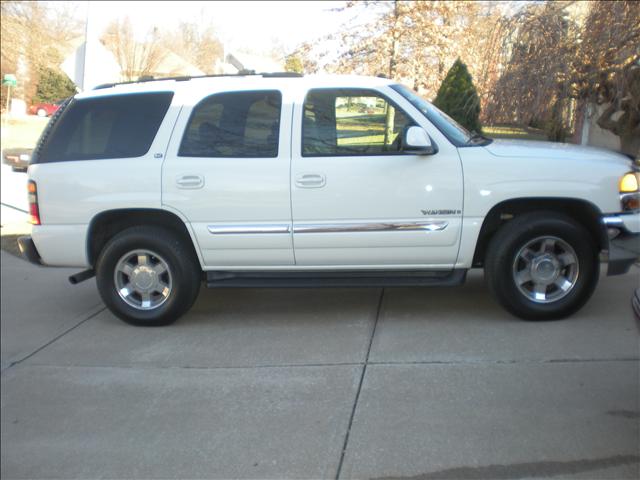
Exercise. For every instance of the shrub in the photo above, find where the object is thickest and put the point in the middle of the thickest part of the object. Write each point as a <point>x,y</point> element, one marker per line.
<point>457,96</point>
<point>53,86</point>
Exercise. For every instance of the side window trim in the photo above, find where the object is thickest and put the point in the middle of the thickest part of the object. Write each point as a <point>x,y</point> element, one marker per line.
<point>180,144</point>
<point>350,91</point>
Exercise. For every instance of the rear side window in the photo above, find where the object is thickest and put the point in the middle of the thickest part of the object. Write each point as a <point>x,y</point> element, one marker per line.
<point>234,124</point>
<point>118,126</point>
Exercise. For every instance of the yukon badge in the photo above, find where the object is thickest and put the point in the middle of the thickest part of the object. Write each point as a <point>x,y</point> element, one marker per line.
<point>441,212</point>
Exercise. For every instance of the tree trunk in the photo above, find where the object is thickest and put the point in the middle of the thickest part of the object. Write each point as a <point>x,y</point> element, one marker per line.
<point>630,144</point>
<point>627,127</point>
<point>389,124</point>
<point>630,133</point>
<point>394,41</point>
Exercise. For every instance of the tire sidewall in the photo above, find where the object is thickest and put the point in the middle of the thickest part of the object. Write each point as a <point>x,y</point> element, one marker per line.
<point>507,247</point>
<point>167,246</point>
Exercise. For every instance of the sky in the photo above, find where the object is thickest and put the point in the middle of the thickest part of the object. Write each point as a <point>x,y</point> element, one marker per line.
<point>258,26</point>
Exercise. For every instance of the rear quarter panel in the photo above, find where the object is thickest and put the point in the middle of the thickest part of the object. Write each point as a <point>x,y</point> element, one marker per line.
<point>72,193</point>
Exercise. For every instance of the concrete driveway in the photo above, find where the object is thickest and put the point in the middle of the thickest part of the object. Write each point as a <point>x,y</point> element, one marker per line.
<point>13,194</point>
<point>366,383</point>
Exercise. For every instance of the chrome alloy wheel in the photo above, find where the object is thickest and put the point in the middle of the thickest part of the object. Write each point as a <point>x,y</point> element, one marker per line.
<point>545,269</point>
<point>143,279</point>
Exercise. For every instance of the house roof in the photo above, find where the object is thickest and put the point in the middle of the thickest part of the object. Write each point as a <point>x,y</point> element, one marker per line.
<point>172,64</point>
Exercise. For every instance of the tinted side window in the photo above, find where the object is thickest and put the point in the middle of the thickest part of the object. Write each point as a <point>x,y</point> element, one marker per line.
<point>235,124</point>
<point>117,126</point>
<point>351,122</point>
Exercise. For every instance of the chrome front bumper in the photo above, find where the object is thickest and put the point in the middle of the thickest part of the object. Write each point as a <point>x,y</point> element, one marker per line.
<point>623,233</point>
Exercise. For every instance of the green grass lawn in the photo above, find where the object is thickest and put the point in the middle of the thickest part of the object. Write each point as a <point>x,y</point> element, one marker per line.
<point>362,126</point>
<point>513,132</point>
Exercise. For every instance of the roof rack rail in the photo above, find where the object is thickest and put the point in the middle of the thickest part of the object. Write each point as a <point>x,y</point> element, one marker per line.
<point>184,78</point>
<point>283,75</point>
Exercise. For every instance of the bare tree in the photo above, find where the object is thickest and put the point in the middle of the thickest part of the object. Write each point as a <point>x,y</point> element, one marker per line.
<point>534,63</point>
<point>35,35</point>
<point>559,56</point>
<point>306,54</point>
<point>196,42</point>
<point>417,42</point>
<point>624,98</point>
<point>136,58</point>
<point>375,47</point>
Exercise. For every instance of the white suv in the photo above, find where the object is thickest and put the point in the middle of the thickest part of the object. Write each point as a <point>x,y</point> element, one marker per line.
<point>283,180</point>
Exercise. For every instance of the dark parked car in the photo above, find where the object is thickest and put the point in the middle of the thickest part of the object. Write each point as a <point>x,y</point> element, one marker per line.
<point>17,158</point>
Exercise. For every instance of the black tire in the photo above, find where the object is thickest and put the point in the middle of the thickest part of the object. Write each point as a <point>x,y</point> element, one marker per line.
<point>504,248</point>
<point>635,303</point>
<point>182,265</point>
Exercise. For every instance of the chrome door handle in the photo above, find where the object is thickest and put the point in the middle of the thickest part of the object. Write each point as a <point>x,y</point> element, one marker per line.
<point>190,181</point>
<point>311,180</point>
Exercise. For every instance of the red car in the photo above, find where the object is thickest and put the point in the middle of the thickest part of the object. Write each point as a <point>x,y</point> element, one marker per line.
<point>44,109</point>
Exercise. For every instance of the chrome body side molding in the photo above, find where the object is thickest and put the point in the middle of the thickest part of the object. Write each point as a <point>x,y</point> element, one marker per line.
<point>248,229</point>
<point>431,226</point>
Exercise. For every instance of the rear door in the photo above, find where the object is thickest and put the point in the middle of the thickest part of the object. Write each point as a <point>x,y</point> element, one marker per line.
<point>227,173</point>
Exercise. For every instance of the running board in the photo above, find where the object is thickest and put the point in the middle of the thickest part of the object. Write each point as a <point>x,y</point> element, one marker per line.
<point>375,278</point>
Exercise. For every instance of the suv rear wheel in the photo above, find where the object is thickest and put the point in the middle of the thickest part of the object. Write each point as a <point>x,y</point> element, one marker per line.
<point>542,266</point>
<point>147,276</point>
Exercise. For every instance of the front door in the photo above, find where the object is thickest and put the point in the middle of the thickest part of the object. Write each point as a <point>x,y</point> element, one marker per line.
<point>359,200</point>
<point>228,175</point>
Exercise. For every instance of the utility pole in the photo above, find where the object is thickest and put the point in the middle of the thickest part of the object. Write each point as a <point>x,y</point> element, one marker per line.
<point>90,63</point>
<point>86,47</point>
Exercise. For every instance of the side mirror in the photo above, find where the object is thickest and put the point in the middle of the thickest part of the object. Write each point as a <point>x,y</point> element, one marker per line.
<point>416,140</point>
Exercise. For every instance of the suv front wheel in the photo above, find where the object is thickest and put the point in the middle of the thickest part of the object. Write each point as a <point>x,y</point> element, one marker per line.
<point>147,276</point>
<point>542,266</point>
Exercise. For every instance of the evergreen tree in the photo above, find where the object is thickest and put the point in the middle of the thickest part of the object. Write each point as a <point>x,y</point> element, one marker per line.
<point>457,96</point>
<point>53,86</point>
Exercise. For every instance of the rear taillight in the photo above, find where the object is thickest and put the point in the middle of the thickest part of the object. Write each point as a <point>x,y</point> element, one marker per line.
<point>34,212</point>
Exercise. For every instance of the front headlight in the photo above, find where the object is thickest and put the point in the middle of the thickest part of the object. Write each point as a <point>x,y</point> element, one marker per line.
<point>630,182</point>
<point>630,192</point>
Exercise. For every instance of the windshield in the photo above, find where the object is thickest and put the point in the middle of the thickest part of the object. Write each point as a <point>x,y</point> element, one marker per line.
<point>456,133</point>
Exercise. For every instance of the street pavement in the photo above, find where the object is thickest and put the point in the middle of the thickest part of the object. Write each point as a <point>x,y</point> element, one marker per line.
<point>409,383</point>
